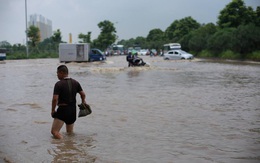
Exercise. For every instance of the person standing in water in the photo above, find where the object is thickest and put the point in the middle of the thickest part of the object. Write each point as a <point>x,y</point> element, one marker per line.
<point>64,96</point>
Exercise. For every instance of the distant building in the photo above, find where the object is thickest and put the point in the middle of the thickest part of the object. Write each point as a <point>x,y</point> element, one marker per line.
<point>45,25</point>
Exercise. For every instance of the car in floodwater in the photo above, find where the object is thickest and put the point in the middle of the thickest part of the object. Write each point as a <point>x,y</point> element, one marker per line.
<point>177,54</point>
<point>143,52</point>
<point>96,55</point>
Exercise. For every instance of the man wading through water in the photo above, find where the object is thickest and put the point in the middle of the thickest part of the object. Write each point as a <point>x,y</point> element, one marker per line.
<point>64,96</point>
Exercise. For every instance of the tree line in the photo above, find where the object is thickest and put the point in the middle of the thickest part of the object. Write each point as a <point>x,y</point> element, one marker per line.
<point>236,35</point>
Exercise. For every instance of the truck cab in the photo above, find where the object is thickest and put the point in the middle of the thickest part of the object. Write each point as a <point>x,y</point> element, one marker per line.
<point>96,55</point>
<point>2,54</point>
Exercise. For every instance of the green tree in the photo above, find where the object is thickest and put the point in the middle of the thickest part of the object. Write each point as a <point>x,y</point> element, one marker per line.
<point>257,16</point>
<point>199,38</point>
<point>169,32</point>
<point>122,42</point>
<point>86,38</point>
<point>34,35</point>
<point>155,39</point>
<point>155,34</point>
<point>19,48</point>
<point>184,41</point>
<point>128,43</point>
<point>140,41</point>
<point>236,13</point>
<point>221,41</point>
<point>48,46</point>
<point>5,44</point>
<point>247,39</point>
<point>107,36</point>
<point>56,37</point>
<point>179,28</point>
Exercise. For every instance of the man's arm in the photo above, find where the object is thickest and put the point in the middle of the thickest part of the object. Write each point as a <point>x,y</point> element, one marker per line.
<point>82,96</point>
<point>54,103</point>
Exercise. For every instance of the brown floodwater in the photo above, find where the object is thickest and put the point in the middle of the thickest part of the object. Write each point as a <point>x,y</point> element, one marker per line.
<point>173,111</point>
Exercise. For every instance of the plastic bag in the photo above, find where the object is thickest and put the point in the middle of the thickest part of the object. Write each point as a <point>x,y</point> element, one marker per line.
<point>84,110</point>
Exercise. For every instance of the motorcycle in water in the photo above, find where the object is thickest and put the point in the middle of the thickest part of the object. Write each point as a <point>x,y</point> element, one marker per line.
<point>134,61</point>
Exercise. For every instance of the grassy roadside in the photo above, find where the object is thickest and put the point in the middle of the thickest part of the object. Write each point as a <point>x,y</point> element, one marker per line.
<point>255,56</point>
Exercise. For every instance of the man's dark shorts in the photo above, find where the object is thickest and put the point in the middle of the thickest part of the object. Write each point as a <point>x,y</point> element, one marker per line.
<point>66,113</point>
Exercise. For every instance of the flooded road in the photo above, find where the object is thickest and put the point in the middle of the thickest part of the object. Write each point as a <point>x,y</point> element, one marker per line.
<point>171,112</point>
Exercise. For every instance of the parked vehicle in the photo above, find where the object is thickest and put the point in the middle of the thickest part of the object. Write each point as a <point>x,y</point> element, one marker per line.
<point>143,52</point>
<point>152,52</point>
<point>80,52</point>
<point>177,54</point>
<point>96,55</point>
<point>74,52</point>
<point>2,54</point>
<point>171,46</point>
<point>118,49</point>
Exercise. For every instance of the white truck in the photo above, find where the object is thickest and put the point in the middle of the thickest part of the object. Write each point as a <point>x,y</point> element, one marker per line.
<point>118,49</point>
<point>171,46</point>
<point>74,52</point>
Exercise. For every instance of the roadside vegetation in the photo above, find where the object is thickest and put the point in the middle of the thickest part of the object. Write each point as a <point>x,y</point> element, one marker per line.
<point>236,35</point>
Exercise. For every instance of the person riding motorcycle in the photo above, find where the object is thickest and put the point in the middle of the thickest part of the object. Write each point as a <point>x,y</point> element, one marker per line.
<point>134,60</point>
<point>129,59</point>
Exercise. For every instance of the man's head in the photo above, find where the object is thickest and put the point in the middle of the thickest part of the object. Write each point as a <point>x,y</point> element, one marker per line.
<point>62,72</point>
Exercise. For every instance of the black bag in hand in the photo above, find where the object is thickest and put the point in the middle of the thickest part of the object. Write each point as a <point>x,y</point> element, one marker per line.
<point>84,110</point>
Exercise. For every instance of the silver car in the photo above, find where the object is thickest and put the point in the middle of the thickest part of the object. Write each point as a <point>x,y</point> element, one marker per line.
<point>177,54</point>
<point>143,52</point>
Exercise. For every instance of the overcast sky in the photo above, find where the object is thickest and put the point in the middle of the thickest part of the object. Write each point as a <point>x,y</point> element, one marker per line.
<point>131,18</point>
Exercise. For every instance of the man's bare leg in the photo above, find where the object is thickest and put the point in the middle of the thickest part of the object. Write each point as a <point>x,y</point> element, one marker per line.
<point>56,126</point>
<point>69,128</point>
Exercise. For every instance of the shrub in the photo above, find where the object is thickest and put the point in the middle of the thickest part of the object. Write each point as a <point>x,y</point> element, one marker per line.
<point>255,56</point>
<point>228,54</point>
<point>205,54</point>
<point>16,55</point>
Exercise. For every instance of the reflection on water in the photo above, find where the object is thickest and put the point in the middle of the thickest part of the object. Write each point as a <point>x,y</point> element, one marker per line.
<point>133,73</point>
<point>73,148</point>
<point>173,111</point>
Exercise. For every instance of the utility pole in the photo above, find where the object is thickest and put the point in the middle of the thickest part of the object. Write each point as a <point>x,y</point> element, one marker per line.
<point>26,31</point>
